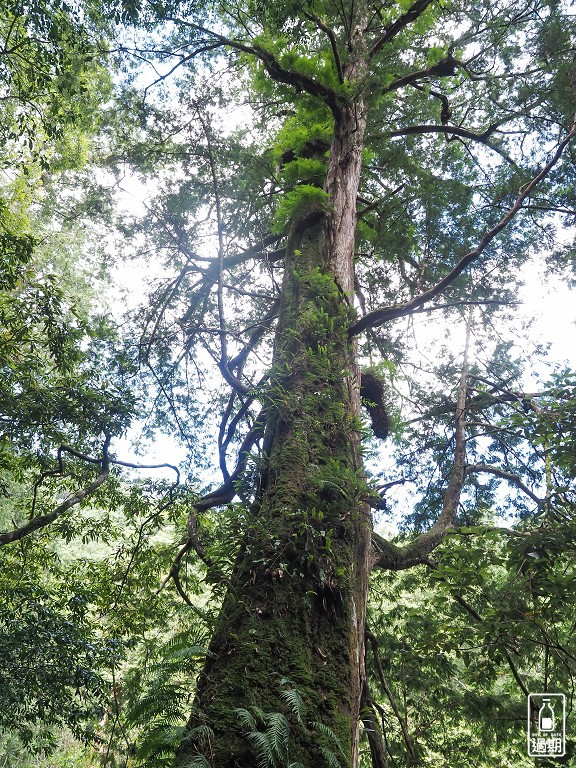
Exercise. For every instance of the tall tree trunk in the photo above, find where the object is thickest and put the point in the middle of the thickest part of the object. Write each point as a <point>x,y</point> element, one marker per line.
<point>293,617</point>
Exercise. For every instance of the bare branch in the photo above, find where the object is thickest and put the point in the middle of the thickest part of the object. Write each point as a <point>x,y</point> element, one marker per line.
<point>222,495</point>
<point>510,476</point>
<point>131,465</point>
<point>234,382</point>
<point>454,130</point>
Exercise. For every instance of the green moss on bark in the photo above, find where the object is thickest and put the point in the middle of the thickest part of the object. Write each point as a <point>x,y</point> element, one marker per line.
<point>290,613</point>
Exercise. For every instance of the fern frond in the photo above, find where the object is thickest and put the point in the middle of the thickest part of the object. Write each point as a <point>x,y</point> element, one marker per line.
<point>330,758</point>
<point>278,731</point>
<point>200,733</point>
<point>164,702</point>
<point>246,718</point>
<point>198,761</point>
<point>294,700</point>
<point>160,740</point>
<point>329,733</point>
<point>263,749</point>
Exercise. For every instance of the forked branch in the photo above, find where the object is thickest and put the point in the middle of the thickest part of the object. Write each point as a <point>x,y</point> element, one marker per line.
<point>43,520</point>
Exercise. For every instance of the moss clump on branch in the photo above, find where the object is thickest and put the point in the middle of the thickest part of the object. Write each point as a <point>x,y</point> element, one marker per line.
<point>300,203</point>
<point>372,393</point>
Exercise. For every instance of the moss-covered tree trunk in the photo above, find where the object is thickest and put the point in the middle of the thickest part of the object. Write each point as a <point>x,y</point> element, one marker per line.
<point>292,623</point>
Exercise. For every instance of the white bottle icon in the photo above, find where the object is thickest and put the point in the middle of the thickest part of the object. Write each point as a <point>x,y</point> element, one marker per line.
<point>546,716</point>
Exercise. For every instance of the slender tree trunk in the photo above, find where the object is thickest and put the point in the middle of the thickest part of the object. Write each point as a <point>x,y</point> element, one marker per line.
<point>293,617</point>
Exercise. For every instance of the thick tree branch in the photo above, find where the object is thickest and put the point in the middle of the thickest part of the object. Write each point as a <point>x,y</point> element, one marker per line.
<point>396,27</point>
<point>393,557</point>
<point>380,316</point>
<point>372,730</point>
<point>271,64</point>
<point>444,68</point>
<point>299,81</point>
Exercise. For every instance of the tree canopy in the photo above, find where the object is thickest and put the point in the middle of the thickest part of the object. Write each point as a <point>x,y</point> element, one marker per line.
<point>367,555</point>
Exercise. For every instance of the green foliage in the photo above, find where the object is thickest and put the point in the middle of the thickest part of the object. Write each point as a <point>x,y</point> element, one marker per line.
<point>306,200</point>
<point>449,644</point>
<point>426,198</point>
<point>53,657</point>
<point>157,699</point>
<point>269,733</point>
<point>555,424</point>
<point>51,75</point>
<point>271,745</point>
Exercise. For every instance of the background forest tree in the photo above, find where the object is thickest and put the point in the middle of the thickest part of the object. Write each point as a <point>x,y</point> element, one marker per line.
<point>342,202</point>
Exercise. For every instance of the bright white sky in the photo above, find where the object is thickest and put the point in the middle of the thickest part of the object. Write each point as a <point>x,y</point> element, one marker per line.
<point>554,307</point>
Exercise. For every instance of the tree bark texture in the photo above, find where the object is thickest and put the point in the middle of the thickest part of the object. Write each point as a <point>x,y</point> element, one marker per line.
<point>293,617</point>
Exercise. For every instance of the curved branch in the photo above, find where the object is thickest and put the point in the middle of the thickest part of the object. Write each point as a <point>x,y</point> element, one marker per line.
<point>444,68</point>
<point>455,130</point>
<point>43,520</point>
<point>226,492</point>
<point>222,495</point>
<point>131,465</point>
<point>510,476</point>
<point>393,557</point>
<point>271,64</point>
<point>380,316</point>
<point>333,44</point>
<point>259,330</point>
